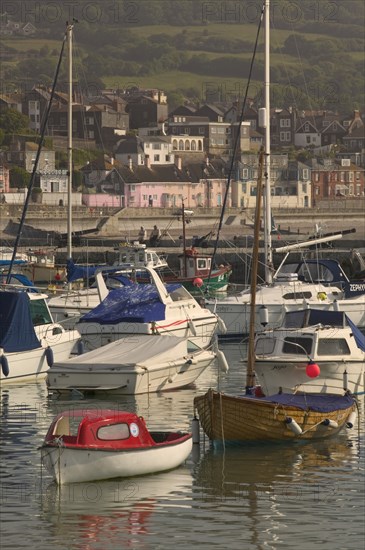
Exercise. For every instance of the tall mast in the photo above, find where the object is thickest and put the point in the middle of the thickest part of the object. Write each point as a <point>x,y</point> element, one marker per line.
<point>267,211</point>
<point>69,143</point>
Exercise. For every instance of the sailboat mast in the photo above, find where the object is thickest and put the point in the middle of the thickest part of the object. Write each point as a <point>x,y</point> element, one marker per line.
<point>267,210</point>
<point>250,374</point>
<point>184,238</point>
<point>69,144</point>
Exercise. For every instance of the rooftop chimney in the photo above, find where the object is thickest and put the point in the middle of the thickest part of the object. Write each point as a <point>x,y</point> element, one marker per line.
<point>148,161</point>
<point>178,162</point>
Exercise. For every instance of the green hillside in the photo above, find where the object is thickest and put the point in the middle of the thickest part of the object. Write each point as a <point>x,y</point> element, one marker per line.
<point>188,48</point>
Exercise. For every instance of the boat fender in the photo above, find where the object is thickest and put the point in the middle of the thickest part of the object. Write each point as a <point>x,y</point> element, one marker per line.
<point>351,420</point>
<point>80,347</point>
<point>329,423</point>
<point>345,380</point>
<point>264,315</point>
<point>4,364</point>
<point>293,425</point>
<point>221,325</point>
<point>195,430</point>
<point>49,356</point>
<point>222,361</point>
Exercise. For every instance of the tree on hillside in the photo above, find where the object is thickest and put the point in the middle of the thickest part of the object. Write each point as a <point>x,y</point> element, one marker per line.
<point>19,178</point>
<point>13,122</point>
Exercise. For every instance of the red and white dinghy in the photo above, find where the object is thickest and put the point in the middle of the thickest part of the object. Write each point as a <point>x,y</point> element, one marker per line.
<point>90,445</point>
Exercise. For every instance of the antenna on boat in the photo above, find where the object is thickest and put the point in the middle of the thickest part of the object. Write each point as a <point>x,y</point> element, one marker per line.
<point>35,166</point>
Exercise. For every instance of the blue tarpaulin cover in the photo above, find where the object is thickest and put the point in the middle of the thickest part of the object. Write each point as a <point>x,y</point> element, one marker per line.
<point>315,402</point>
<point>75,272</point>
<point>136,303</point>
<point>16,326</point>
<point>357,334</point>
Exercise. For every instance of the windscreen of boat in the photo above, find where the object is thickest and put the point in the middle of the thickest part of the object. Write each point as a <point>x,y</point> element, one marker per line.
<point>114,431</point>
<point>39,312</point>
<point>297,345</point>
<point>333,346</point>
<point>265,346</point>
<point>297,295</point>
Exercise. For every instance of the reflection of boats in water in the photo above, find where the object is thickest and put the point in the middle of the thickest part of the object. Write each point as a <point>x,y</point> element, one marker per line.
<point>263,472</point>
<point>108,514</point>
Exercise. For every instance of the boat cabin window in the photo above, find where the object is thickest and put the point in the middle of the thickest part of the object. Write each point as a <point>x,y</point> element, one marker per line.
<point>265,346</point>
<point>202,263</point>
<point>114,431</point>
<point>299,346</point>
<point>39,312</point>
<point>67,425</point>
<point>123,258</point>
<point>333,346</point>
<point>297,295</point>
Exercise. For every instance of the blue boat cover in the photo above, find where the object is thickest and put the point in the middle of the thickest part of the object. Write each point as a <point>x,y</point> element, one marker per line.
<point>18,278</point>
<point>357,334</point>
<point>75,272</point>
<point>133,304</point>
<point>315,402</point>
<point>16,326</point>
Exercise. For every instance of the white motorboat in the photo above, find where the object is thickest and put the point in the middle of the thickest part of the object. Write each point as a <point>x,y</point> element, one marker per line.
<point>288,292</point>
<point>154,308</point>
<point>314,351</point>
<point>29,339</point>
<point>132,365</point>
<point>104,444</point>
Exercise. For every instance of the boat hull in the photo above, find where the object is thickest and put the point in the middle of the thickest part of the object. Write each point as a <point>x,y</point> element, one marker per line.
<point>32,365</point>
<point>70,465</point>
<point>199,331</point>
<point>130,380</point>
<point>291,376</point>
<point>234,418</point>
<point>236,313</point>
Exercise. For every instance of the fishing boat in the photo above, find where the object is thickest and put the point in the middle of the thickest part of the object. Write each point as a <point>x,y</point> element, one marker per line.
<point>281,417</point>
<point>313,351</point>
<point>133,365</point>
<point>142,309</point>
<point>328,289</point>
<point>30,341</point>
<point>89,445</point>
<point>193,271</point>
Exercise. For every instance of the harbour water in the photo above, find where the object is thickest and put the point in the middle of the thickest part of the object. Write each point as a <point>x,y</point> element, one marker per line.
<point>266,496</point>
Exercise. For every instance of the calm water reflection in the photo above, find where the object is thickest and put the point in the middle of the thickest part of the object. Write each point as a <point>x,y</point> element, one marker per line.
<point>254,497</point>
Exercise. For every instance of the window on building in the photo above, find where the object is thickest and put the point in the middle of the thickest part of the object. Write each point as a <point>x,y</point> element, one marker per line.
<point>156,158</point>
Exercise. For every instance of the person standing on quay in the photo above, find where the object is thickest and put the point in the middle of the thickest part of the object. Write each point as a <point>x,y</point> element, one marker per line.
<point>142,235</point>
<point>155,235</point>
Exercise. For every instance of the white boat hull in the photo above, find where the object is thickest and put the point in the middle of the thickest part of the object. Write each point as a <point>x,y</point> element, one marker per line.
<point>130,380</point>
<point>291,376</point>
<point>81,465</point>
<point>32,365</point>
<point>236,314</point>
<point>199,331</point>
